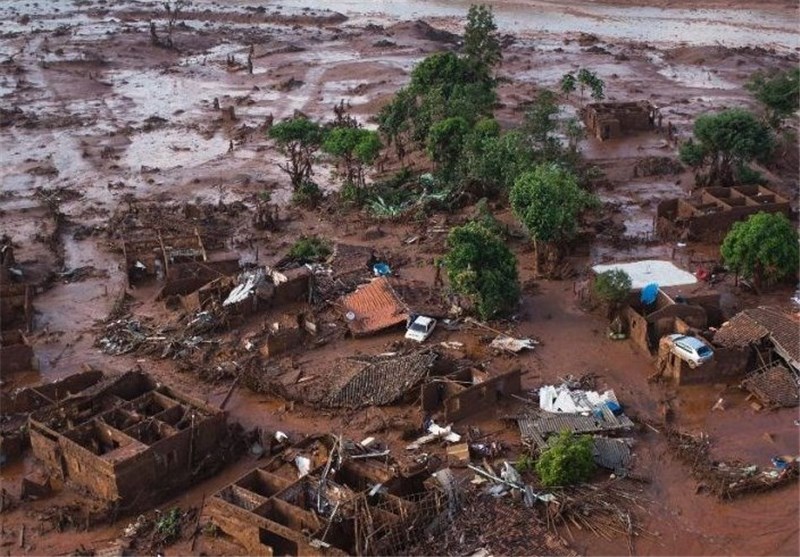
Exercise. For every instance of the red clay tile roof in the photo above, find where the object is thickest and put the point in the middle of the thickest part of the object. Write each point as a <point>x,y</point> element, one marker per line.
<point>375,306</point>
<point>752,325</point>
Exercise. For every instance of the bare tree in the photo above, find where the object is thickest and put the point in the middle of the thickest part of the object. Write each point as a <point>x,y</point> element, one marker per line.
<point>173,10</point>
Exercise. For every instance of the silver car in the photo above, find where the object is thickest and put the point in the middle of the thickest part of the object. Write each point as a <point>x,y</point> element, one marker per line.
<point>691,349</point>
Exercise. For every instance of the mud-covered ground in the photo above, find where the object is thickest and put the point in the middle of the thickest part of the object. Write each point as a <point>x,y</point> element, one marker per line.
<point>92,115</point>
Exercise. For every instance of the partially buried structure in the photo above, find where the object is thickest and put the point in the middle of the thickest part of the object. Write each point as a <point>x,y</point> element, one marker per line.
<point>130,440</point>
<point>328,496</point>
<point>711,212</point>
<point>612,120</point>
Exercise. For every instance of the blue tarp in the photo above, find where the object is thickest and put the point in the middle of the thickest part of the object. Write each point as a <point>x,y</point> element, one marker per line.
<point>381,269</point>
<point>649,293</point>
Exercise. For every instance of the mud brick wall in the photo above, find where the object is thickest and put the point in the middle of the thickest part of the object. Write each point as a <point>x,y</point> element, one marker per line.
<point>15,358</point>
<point>482,396</point>
<point>715,226</point>
<point>85,468</point>
<point>295,290</point>
<point>238,523</point>
<point>727,364</point>
<point>47,450</point>
<point>254,531</point>
<point>281,341</point>
<point>637,328</point>
<point>663,320</point>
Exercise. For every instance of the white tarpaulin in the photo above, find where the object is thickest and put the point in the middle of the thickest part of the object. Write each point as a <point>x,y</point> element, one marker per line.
<point>245,288</point>
<point>561,400</point>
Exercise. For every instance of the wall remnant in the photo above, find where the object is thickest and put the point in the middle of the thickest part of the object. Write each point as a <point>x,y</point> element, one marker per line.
<point>468,391</point>
<point>710,213</point>
<point>130,440</point>
<point>612,120</point>
<point>352,501</point>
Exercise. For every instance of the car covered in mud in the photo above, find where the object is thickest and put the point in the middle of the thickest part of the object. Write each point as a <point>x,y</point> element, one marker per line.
<point>690,349</point>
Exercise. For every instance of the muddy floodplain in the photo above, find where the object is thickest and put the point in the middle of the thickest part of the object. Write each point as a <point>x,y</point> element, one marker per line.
<point>107,139</point>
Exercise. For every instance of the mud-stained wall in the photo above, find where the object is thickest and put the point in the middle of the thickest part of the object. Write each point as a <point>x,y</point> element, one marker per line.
<point>15,358</point>
<point>709,215</point>
<point>637,328</point>
<point>283,340</point>
<point>727,364</point>
<point>459,401</point>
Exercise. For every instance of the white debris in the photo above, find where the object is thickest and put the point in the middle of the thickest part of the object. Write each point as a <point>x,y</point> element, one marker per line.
<point>303,465</point>
<point>512,344</point>
<point>435,432</point>
<point>561,399</point>
<point>248,282</point>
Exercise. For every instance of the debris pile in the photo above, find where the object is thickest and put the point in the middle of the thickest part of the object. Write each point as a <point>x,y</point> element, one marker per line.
<point>774,386</point>
<point>727,480</point>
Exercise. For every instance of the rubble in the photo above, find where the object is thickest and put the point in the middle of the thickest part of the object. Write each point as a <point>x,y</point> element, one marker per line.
<point>725,479</point>
<point>129,432</point>
<point>775,386</point>
<point>344,504</point>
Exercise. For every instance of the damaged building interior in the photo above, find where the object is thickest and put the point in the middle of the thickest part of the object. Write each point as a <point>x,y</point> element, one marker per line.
<point>128,432</point>
<point>342,503</point>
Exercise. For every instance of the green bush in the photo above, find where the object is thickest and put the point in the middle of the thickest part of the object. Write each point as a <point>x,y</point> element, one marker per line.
<point>308,194</point>
<point>169,524</point>
<point>309,249</point>
<point>613,286</point>
<point>567,460</point>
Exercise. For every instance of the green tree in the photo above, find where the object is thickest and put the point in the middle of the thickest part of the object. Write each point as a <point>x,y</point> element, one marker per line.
<point>490,161</point>
<point>779,92</point>
<point>764,248</point>
<point>540,124</point>
<point>355,148</point>
<point>724,142</point>
<point>481,267</point>
<point>481,42</point>
<point>445,142</point>
<point>613,287</point>
<point>548,202</point>
<point>394,120</point>
<point>568,84</point>
<point>299,139</point>
<point>567,460</point>
<point>588,79</point>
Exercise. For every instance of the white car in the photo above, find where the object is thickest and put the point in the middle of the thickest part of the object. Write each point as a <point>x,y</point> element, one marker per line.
<point>691,349</point>
<point>420,327</point>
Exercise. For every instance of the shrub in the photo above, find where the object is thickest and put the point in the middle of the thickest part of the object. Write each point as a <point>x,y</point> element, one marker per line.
<point>309,249</point>
<point>567,460</point>
<point>308,194</point>
<point>613,286</point>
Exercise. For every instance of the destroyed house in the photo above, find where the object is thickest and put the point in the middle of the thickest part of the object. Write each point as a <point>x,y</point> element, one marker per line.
<point>612,120</point>
<point>374,307</point>
<point>468,391</point>
<point>129,440</point>
<point>16,354</point>
<point>16,307</point>
<point>253,290</point>
<point>151,257</point>
<point>17,404</point>
<point>769,332</point>
<point>328,498</point>
<point>711,212</point>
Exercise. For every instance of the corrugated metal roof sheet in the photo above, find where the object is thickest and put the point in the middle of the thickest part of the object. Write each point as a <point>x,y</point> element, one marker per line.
<point>374,307</point>
<point>537,429</point>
